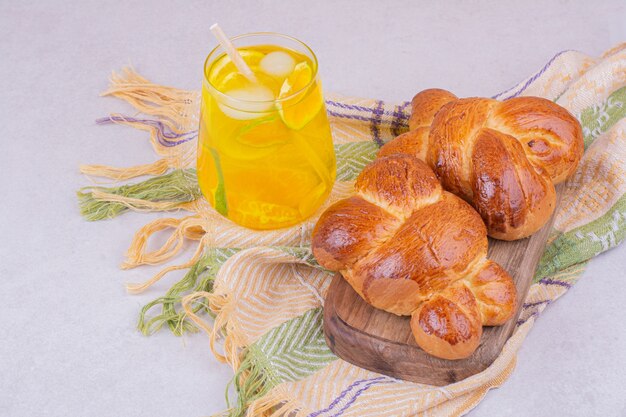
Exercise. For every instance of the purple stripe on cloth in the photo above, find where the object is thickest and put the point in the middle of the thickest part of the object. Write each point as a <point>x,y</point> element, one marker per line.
<point>522,321</point>
<point>165,135</point>
<point>377,115</point>
<point>550,281</point>
<point>345,106</point>
<point>399,118</point>
<point>349,116</point>
<point>531,79</point>
<point>536,303</point>
<point>546,281</point>
<point>357,395</point>
<point>359,117</point>
<point>344,393</point>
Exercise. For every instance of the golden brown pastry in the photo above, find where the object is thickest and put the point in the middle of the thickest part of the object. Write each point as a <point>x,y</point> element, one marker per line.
<point>410,248</point>
<point>504,157</point>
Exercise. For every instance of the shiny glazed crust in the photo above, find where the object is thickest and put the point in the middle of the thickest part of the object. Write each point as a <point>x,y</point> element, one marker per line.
<point>503,157</point>
<point>410,248</point>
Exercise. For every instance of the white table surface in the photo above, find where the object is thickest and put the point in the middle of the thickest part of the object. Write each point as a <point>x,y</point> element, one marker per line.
<point>68,345</point>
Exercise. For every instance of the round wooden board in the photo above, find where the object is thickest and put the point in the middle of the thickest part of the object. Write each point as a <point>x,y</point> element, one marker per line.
<point>382,342</point>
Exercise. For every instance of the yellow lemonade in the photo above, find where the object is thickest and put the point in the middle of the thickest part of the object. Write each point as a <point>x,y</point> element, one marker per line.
<point>265,152</point>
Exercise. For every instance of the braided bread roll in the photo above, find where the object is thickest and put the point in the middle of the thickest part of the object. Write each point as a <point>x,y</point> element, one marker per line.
<point>410,248</point>
<point>503,157</point>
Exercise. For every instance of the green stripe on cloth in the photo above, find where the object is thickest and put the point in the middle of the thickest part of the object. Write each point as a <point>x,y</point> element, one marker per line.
<point>295,349</point>
<point>600,118</point>
<point>289,352</point>
<point>352,158</point>
<point>302,253</point>
<point>570,274</point>
<point>585,242</point>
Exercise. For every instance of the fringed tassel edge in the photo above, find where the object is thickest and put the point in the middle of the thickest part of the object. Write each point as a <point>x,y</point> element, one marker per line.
<point>137,288</point>
<point>259,396</point>
<point>171,104</point>
<point>189,227</point>
<point>278,402</point>
<point>199,279</point>
<point>120,174</point>
<point>166,192</point>
<point>224,328</point>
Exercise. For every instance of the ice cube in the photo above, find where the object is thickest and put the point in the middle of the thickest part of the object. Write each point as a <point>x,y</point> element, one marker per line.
<point>277,64</point>
<point>248,103</point>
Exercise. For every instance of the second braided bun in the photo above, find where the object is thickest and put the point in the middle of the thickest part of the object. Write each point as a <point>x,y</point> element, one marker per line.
<point>503,157</point>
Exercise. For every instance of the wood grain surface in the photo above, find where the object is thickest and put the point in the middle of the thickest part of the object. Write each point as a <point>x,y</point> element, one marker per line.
<point>382,342</point>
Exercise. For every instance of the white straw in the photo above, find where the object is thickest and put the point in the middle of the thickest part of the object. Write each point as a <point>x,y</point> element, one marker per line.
<point>232,53</point>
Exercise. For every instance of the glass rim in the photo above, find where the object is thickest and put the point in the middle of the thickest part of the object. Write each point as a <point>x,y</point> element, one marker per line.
<point>232,99</point>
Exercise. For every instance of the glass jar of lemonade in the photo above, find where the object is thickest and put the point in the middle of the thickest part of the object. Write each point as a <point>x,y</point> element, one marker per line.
<point>265,152</point>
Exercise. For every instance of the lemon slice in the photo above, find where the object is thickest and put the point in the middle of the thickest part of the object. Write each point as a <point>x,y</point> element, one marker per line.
<point>256,140</point>
<point>224,66</point>
<point>232,81</point>
<point>264,133</point>
<point>299,110</point>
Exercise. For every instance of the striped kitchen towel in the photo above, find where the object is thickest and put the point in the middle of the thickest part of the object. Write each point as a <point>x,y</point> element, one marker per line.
<point>259,295</point>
